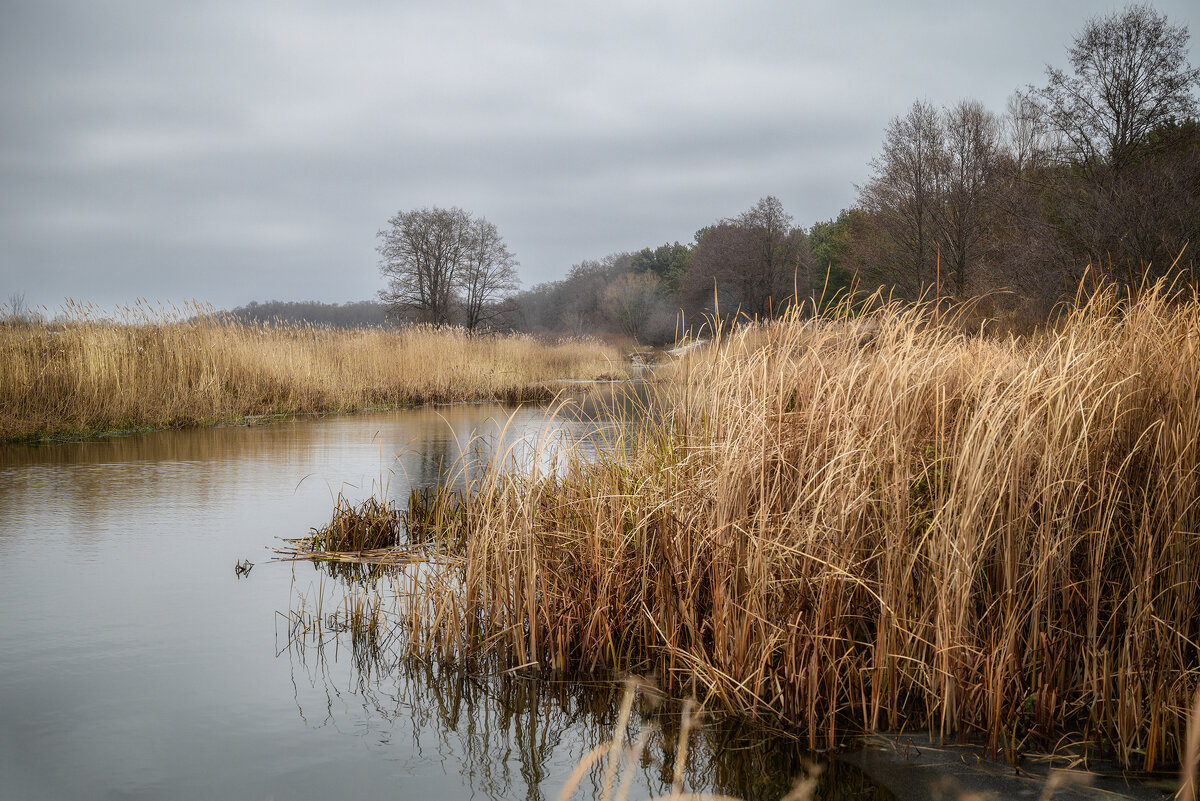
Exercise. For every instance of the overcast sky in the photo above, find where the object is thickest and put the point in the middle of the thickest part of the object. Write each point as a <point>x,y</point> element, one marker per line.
<point>229,151</point>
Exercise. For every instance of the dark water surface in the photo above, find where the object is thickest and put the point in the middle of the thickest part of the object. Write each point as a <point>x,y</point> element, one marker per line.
<point>134,664</point>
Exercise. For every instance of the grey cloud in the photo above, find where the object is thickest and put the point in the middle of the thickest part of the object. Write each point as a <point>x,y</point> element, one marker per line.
<point>229,151</point>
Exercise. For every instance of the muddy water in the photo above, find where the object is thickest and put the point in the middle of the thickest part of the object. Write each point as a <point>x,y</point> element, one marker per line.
<point>135,664</point>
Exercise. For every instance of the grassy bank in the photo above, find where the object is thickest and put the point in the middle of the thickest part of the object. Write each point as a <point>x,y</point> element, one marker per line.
<point>884,524</point>
<point>89,376</point>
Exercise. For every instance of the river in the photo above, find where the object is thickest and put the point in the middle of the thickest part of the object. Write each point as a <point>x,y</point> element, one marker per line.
<point>135,664</point>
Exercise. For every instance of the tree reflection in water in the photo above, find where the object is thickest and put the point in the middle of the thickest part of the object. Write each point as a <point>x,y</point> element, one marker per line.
<point>511,735</point>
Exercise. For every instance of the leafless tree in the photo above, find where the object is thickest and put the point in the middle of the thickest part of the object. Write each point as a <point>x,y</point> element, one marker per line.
<point>715,281</point>
<point>1029,257</point>
<point>580,300</point>
<point>964,211</point>
<point>488,271</point>
<point>900,198</point>
<point>1026,140</point>
<point>779,256</point>
<point>1132,223</point>
<point>16,310</point>
<point>421,255</point>
<point>930,208</point>
<point>754,263</point>
<point>1129,75</point>
<point>1126,204</point>
<point>442,264</point>
<point>1099,169</point>
<point>632,301</point>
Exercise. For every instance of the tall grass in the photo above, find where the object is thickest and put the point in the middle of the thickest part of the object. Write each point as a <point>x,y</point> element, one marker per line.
<point>155,370</point>
<point>877,523</point>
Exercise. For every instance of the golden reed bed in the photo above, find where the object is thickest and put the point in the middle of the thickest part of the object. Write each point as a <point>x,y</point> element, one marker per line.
<point>87,376</point>
<point>881,523</point>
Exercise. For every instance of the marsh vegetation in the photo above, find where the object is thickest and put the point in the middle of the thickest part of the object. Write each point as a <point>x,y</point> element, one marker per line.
<point>882,519</point>
<point>155,369</point>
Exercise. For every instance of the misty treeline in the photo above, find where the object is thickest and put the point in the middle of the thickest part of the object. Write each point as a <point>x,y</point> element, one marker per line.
<point>1097,169</point>
<point>357,314</point>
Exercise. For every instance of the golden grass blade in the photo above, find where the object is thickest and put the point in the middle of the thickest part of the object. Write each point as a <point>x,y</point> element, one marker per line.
<point>584,765</point>
<point>1191,756</point>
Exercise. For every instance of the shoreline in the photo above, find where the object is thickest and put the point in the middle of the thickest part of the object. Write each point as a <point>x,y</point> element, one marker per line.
<point>541,394</point>
<point>83,379</point>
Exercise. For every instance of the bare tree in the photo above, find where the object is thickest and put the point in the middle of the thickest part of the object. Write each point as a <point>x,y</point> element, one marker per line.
<point>16,310</point>
<point>1025,139</point>
<point>964,212</point>
<point>1129,75</point>
<point>716,276</point>
<point>753,263</point>
<point>778,253</point>
<point>1126,203</point>
<point>489,270</point>
<point>931,206</point>
<point>900,198</point>
<point>580,300</point>
<point>631,301</point>
<point>1132,223</point>
<point>421,255</point>
<point>443,264</point>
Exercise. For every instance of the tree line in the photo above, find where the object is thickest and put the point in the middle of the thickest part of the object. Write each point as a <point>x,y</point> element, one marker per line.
<point>1096,169</point>
<point>358,314</point>
<point>1099,168</point>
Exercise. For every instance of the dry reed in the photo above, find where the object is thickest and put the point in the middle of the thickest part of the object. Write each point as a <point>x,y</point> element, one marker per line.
<point>371,525</point>
<point>875,523</point>
<point>157,369</point>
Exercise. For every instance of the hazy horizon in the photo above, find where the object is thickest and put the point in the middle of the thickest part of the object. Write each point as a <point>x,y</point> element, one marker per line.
<point>229,152</point>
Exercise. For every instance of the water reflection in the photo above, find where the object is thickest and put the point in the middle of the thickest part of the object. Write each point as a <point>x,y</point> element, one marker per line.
<point>138,665</point>
<point>94,481</point>
<point>519,736</point>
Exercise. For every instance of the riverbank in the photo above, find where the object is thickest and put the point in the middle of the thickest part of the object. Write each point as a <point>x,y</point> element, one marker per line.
<point>890,524</point>
<point>86,377</point>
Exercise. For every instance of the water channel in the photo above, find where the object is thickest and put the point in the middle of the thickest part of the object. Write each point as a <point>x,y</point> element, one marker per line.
<point>135,664</point>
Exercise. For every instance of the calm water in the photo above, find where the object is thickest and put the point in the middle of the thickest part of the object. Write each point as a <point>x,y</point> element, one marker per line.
<point>135,664</point>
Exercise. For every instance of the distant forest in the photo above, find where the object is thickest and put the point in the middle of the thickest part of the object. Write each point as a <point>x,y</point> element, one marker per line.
<point>1094,173</point>
<point>335,315</point>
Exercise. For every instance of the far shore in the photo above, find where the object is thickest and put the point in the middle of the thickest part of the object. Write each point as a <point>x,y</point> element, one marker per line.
<point>84,379</point>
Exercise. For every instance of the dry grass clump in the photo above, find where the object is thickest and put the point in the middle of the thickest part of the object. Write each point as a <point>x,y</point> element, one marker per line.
<point>371,525</point>
<point>376,531</point>
<point>175,368</point>
<point>879,523</point>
